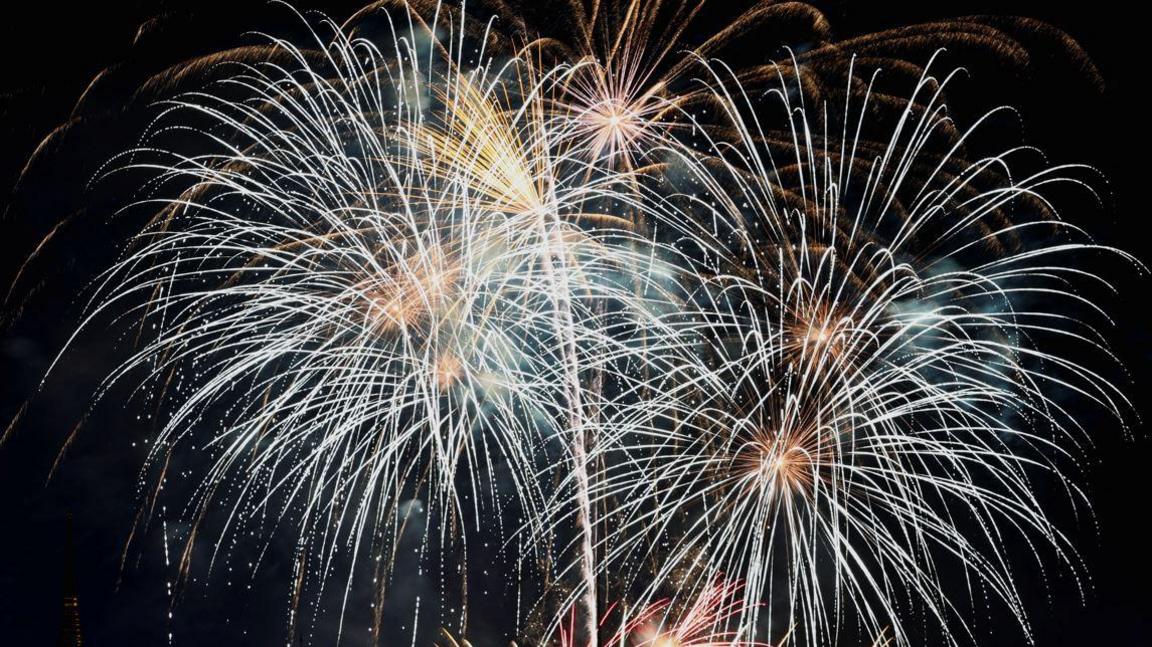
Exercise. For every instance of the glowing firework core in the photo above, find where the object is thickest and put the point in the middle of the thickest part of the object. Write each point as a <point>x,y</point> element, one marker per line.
<point>456,308</point>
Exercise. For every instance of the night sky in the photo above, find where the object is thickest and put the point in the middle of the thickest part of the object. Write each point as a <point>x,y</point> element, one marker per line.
<point>52,51</point>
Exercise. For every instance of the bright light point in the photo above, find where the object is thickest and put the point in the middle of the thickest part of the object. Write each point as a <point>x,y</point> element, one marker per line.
<point>448,370</point>
<point>510,270</point>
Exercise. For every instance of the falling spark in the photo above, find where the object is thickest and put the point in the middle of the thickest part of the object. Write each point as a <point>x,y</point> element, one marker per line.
<point>872,398</point>
<point>407,286</point>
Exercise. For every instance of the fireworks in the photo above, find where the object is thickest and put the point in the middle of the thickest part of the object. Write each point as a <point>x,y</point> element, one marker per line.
<point>871,403</point>
<point>408,283</point>
<point>697,623</point>
<point>366,305</point>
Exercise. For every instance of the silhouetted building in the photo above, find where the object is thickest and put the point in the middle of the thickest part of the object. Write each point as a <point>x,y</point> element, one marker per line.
<point>70,622</point>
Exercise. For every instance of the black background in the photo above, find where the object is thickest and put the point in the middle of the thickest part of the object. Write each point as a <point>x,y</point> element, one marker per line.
<point>48,54</point>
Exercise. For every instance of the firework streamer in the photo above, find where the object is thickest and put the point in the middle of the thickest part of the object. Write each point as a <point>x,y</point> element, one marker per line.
<point>875,393</point>
<point>699,624</point>
<point>412,287</point>
<point>384,282</point>
<point>659,624</point>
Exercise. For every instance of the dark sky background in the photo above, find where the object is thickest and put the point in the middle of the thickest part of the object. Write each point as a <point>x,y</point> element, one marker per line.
<point>50,52</point>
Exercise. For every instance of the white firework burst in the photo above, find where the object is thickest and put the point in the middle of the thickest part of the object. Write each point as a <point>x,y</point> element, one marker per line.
<point>412,284</point>
<point>388,284</point>
<point>875,393</point>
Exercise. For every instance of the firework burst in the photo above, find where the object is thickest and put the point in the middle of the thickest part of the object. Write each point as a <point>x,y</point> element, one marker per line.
<point>375,302</point>
<point>871,403</point>
<point>407,286</point>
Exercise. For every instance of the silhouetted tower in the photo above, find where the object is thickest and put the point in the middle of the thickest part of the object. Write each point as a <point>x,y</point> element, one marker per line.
<point>70,622</point>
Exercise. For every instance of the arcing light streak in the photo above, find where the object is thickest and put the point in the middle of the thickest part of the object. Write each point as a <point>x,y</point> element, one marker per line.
<point>385,282</point>
<point>698,622</point>
<point>875,398</point>
<point>414,287</point>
